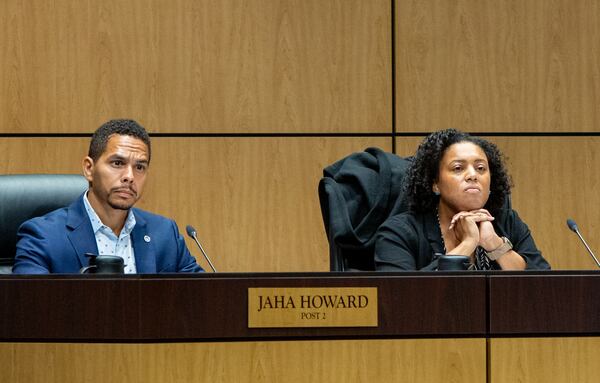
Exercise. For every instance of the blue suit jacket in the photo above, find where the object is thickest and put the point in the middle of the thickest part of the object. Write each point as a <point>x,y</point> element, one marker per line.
<point>57,243</point>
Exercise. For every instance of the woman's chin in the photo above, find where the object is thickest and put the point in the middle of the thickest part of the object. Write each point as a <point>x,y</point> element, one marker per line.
<point>471,205</point>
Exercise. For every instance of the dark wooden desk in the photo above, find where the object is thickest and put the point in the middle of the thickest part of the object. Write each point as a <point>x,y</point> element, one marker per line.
<point>544,304</point>
<point>474,326</point>
<point>214,306</point>
<point>543,327</point>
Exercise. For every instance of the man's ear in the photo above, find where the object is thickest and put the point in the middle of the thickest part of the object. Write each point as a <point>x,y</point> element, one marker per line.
<point>88,168</point>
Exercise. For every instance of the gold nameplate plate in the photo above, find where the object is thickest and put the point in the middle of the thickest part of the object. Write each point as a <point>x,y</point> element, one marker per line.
<point>312,307</point>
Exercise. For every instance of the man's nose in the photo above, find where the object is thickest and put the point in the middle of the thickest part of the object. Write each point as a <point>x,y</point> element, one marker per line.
<point>127,175</point>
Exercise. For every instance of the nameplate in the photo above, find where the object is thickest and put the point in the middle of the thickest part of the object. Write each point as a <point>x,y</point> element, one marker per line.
<point>312,307</point>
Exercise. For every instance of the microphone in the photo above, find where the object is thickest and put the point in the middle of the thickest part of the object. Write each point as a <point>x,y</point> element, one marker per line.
<point>573,226</point>
<point>192,233</point>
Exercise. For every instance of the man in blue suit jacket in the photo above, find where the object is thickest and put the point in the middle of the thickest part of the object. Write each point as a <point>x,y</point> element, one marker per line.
<point>103,220</point>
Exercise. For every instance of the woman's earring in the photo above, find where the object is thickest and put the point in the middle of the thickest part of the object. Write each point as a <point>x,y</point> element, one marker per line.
<point>435,192</point>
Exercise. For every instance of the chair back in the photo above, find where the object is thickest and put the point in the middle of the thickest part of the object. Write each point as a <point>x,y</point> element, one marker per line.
<point>357,194</point>
<point>25,196</point>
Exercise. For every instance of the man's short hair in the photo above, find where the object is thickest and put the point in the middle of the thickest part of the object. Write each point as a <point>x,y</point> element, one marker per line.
<point>121,127</point>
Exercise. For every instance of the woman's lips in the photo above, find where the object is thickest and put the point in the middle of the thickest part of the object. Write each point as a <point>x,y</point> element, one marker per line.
<point>472,189</point>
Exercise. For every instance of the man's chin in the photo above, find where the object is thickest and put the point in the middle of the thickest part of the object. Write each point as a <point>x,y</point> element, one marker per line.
<point>121,205</point>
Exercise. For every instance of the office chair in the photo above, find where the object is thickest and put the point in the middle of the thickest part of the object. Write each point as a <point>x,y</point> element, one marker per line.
<point>357,194</point>
<point>25,196</point>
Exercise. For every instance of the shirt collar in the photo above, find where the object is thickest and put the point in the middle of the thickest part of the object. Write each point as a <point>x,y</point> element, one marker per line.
<point>97,222</point>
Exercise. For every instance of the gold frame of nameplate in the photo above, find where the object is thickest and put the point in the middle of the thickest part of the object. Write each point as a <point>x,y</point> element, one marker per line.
<point>272,307</point>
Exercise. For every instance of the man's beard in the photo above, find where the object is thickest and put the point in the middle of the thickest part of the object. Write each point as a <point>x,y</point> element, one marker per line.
<point>120,204</point>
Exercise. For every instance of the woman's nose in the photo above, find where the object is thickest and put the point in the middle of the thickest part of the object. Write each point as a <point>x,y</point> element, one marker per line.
<point>471,173</point>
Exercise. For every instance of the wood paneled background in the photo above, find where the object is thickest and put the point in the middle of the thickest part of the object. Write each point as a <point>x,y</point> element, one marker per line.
<point>498,66</point>
<point>188,66</point>
<point>371,360</point>
<point>543,360</point>
<point>249,99</point>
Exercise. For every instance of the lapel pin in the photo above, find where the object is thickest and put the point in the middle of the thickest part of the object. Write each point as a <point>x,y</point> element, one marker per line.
<point>147,238</point>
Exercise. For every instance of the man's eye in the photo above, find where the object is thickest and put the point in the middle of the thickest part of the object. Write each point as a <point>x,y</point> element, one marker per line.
<point>117,162</point>
<point>141,167</point>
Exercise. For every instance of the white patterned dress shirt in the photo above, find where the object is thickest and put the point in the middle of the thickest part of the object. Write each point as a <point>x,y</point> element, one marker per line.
<point>107,241</point>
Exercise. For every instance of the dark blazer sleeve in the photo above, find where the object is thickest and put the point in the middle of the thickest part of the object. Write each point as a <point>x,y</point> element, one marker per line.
<point>186,263</point>
<point>401,245</point>
<point>32,255</point>
<point>168,252</point>
<point>511,226</point>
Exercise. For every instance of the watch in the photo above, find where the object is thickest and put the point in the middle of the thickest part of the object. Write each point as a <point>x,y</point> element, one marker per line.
<point>500,250</point>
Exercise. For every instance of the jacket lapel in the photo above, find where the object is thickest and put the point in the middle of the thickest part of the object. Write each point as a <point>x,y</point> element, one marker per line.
<point>80,232</point>
<point>143,248</point>
<point>434,234</point>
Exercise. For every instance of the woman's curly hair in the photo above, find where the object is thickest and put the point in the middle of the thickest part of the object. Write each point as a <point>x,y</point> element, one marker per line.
<point>425,168</point>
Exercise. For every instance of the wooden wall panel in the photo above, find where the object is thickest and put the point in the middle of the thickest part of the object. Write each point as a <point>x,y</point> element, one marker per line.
<point>196,66</point>
<point>244,196</point>
<point>42,155</point>
<point>544,360</point>
<point>253,201</point>
<point>498,65</point>
<point>431,360</point>
<point>554,180</point>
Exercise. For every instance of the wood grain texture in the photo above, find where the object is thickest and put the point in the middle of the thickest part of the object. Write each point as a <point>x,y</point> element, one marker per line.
<point>544,360</point>
<point>498,66</point>
<point>255,205</point>
<point>214,307</point>
<point>196,66</point>
<point>42,155</point>
<point>565,304</point>
<point>433,360</point>
<point>554,180</point>
<point>253,201</point>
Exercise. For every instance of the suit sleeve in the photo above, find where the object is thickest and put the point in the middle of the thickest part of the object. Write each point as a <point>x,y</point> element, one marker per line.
<point>32,255</point>
<point>397,246</point>
<point>523,243</point>
<point>186,263</point>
